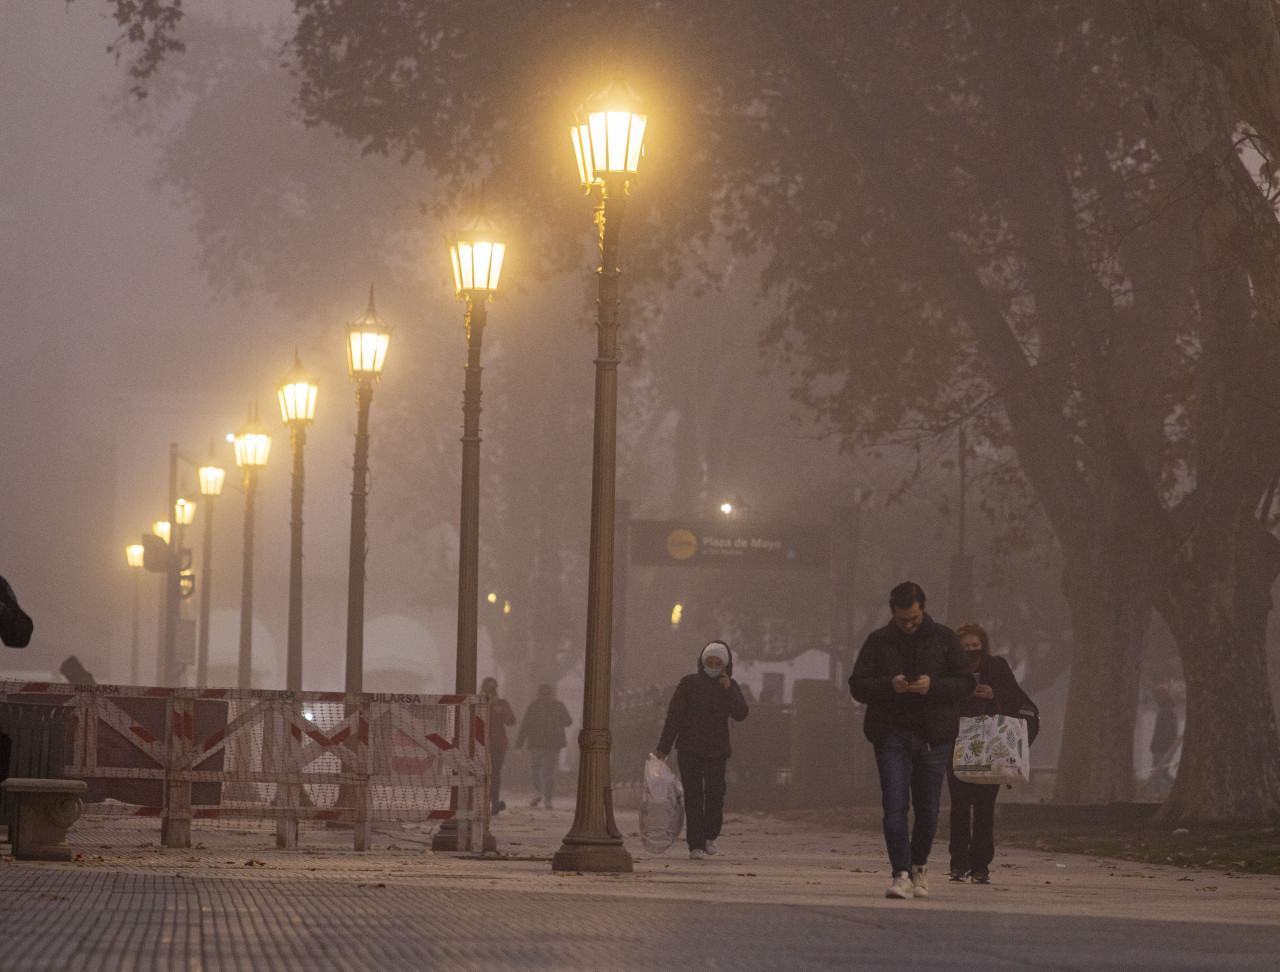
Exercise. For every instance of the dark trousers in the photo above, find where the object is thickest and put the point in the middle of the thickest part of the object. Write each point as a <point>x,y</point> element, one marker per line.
<point>496,758</point>
<point>703,781</point>
<point>973,823</point>
<point>911,773</point>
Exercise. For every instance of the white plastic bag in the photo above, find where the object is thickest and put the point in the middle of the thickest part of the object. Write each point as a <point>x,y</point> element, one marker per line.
<point>661,806</point>
<point>992,749</point>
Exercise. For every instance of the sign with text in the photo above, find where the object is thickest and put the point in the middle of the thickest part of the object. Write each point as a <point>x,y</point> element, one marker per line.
<point>728,543</point>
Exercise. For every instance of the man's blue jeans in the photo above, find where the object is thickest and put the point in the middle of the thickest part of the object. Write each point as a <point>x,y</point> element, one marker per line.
<point>911,775</point>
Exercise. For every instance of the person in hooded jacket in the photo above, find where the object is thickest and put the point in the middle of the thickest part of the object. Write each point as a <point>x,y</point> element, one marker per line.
<point>973,805</point>
<point>697,726</point>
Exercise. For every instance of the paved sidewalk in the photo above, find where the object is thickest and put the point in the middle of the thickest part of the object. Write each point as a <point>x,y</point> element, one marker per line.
<point>780,896</point>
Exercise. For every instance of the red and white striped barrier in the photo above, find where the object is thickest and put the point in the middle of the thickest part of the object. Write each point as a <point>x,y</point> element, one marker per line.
<point>199,754</point>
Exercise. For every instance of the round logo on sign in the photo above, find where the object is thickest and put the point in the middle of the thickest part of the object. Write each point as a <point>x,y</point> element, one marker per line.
<point>681,544</point>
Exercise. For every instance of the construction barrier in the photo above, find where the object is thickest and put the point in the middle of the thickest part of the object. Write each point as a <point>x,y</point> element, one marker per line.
<point>188,755</point>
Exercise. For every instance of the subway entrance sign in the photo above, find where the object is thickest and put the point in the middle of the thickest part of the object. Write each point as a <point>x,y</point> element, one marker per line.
<point>763,545</point>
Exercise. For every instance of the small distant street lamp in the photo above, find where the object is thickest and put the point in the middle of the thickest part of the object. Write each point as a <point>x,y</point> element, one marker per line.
<point>133,557</point>
<point>297,394</point>
<point>367,341</point>
<point>211,480</point>
<point>608,139</point>
<point>253,444</point>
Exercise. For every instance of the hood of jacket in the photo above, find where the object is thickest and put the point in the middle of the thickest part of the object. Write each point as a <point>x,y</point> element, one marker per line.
<point>728,667</point>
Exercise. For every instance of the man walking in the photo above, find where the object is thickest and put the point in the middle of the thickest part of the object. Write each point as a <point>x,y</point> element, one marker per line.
<point>909,674</point>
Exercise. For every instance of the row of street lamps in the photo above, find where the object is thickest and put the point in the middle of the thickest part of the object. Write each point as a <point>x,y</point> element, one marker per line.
<point>608,137</point>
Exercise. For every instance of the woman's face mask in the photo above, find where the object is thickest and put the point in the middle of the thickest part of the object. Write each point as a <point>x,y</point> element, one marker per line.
<point>713,667</point>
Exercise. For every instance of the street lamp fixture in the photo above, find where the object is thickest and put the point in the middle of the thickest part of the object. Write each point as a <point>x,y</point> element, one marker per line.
<point>297,394</point>
<point>162,529</point>
<point>184,512</point>
<point>252,445</point>
<point>211,479</point>
<point>367,341</point>
<point>608,140</point>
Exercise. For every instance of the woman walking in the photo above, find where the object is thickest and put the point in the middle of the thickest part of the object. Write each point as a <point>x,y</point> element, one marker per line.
<point>973,805</point>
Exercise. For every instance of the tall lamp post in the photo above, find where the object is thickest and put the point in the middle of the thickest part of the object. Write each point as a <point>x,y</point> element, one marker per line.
<point>162,529</point>
<point>211,480</point>
<point>184,514</point>
<point>608,138</point>
<point>297,394</point>
<point>367,341</point>
<point>253,444</point>
<point>133,557</point>
<point>476,251</point>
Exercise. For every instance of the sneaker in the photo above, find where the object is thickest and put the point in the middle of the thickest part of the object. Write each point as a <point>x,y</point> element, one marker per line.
<point>548,805</point>
<point>980,877</point>
<point>955,874</point>
<point>502,805</point>
<point>711,848</point>
<point>901,886</point>
<point>535,801</point>
<point>697,854</point>
<point>920,881</point>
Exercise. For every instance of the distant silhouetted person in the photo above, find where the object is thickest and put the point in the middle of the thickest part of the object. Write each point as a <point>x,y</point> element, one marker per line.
<point>15,625</point>
<point>542,729</point>
<point>76,673</point>
<point>500,716</point>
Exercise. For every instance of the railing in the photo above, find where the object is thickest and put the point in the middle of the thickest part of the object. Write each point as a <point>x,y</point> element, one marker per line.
<point>202,754</point>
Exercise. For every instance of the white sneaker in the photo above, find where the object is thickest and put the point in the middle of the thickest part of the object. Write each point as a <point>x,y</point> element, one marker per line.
<point>711,848</point>
<point>920,880</point>
<point>697,854</point>
<point>901,886</point>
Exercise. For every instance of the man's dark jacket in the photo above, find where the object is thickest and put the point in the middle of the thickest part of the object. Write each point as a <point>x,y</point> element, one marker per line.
<point>15,624</point>
<point>543,725</point>
<point>933,650</point>
<point>1009,699</point>
<point>699,713</point>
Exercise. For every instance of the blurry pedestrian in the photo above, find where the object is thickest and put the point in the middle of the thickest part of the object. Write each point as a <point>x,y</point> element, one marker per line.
<point>542,728</point>
<point>973,805</point>
<point>15,624</point>
<point>909,675</point>
<point>500,716</point>
<point>1164,740</point>
<point>697,726</point>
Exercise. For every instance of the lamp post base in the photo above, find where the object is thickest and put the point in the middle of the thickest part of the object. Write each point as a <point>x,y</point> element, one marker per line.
<point>607,858</point>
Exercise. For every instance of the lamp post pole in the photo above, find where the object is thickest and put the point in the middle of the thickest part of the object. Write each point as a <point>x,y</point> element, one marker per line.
<point>297,394</point>
<point>253,444</point>
<point>356,563</point>
<point>608,136</point>
<point>244,661</point>
<point>165,664</point>
<point>367,341</point>
<point>211,479</point>
<point>477,253</point>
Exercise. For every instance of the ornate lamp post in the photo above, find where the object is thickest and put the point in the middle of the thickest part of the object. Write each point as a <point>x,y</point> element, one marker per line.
<point>297,393</point>
<point>211,480</point>
<point>477,251</point>
<point>253,444</point>
<point>133,557</point>
<point>608,138</point>
<point>367,341</point>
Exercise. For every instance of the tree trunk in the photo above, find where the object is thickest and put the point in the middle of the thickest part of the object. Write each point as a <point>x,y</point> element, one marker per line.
<point>1095,764</point>
<point>1217,611</point>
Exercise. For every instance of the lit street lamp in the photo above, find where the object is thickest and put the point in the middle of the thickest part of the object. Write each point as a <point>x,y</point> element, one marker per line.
<point>211,479</point>
<point>608,137</point>
<point>253,444</point>
<point>133,556</point>
<point>297,393</point>
<point>476,251</point>
<point>367,341</point>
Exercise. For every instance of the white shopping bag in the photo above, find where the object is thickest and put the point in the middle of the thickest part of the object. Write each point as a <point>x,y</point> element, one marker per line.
<point>661,806</point>
<point>992,749</point>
